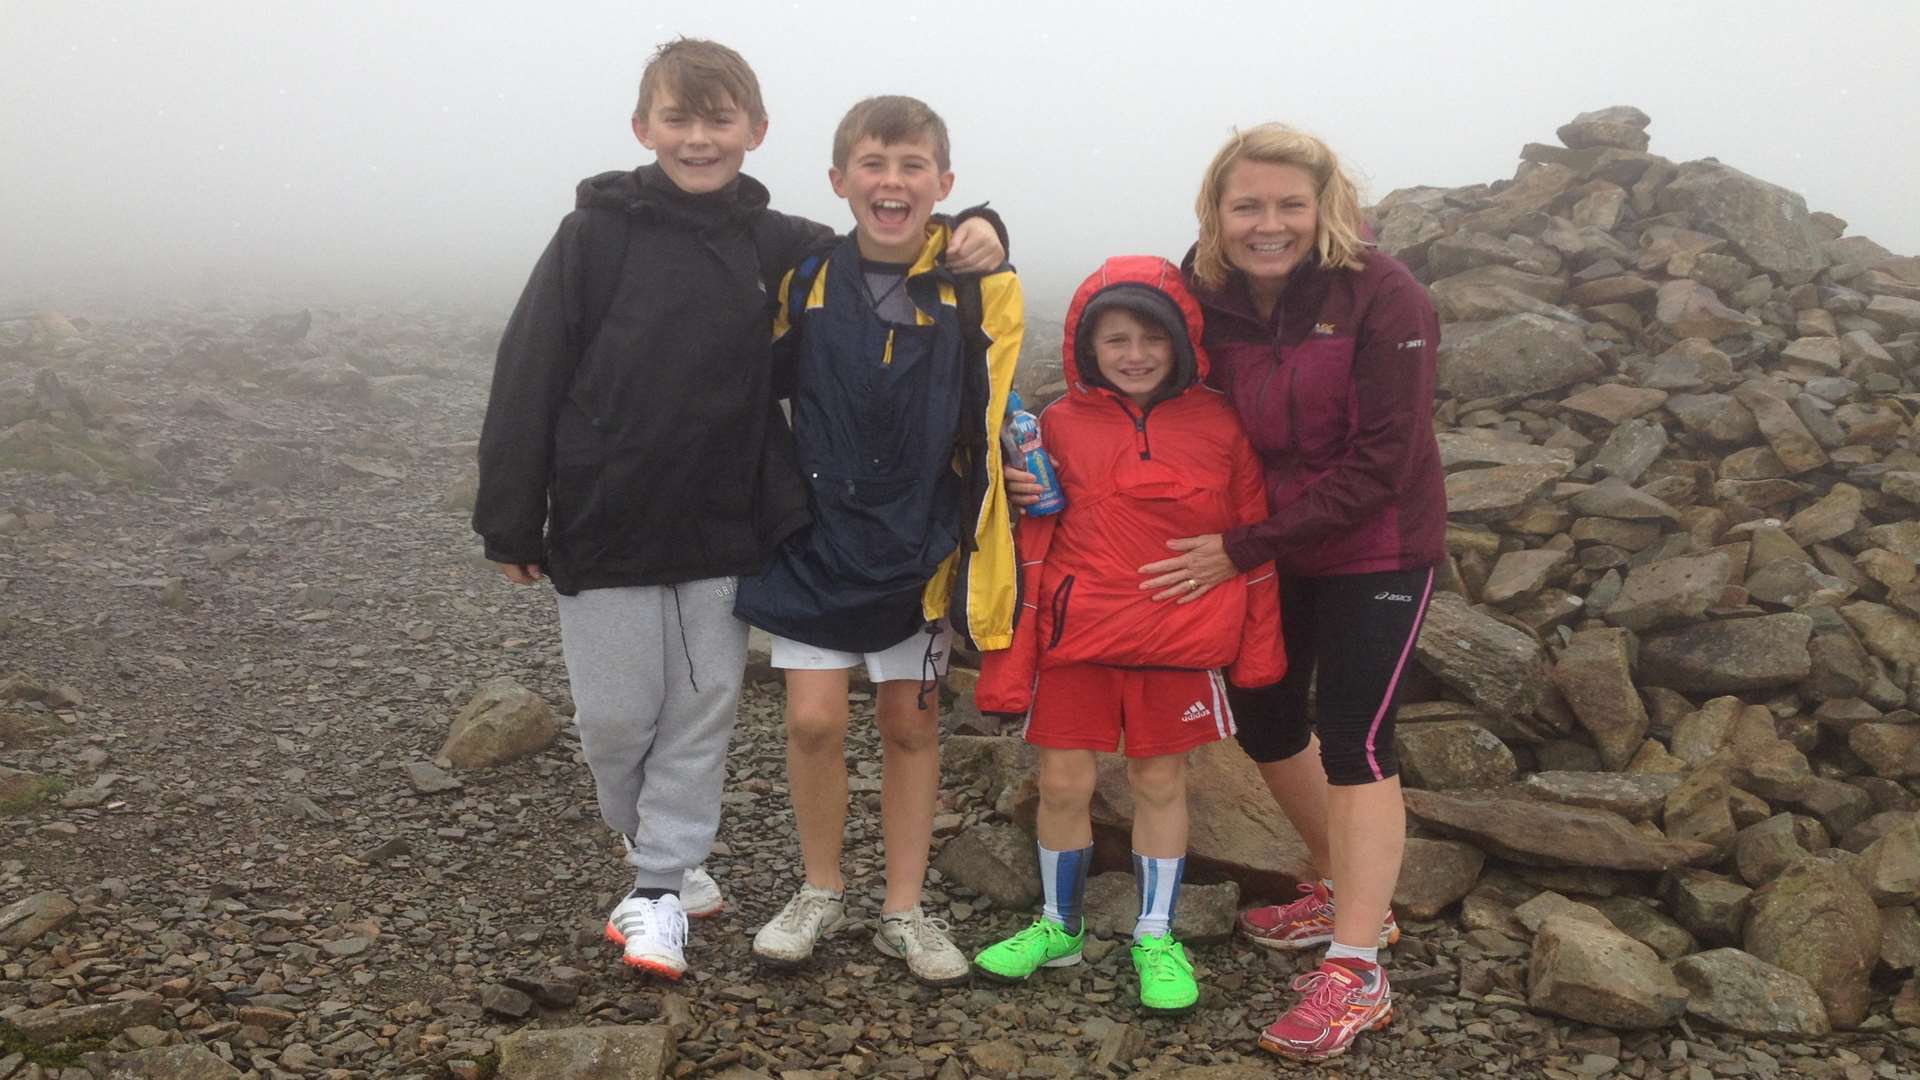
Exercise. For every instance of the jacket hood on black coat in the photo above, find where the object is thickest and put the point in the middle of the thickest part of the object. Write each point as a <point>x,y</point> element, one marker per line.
<point>648,190</point>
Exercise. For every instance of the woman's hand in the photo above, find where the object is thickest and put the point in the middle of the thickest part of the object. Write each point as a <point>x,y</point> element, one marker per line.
<point>1023,488</point>
<point>1201,564</point>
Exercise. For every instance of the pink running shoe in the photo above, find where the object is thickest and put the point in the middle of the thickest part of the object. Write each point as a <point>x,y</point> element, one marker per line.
<point>1334,1008</point>
<point>1304,924</point>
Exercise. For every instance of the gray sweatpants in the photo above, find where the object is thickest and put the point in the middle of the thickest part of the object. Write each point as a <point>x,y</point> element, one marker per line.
<point>656,675</point>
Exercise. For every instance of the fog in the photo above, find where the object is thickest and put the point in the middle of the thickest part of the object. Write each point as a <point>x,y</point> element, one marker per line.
<point>185,151</point>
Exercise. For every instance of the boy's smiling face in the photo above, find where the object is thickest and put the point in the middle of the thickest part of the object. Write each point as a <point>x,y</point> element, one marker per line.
<point>892,189</point>
<point>1132,353</point>
<point>700,153</point>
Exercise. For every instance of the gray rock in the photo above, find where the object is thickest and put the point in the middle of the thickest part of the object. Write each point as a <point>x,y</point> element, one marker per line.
<point>627,1052</point>
<point>1795,584</point>
<point>997,861</point>
<point>1761,852</point>
<point>1435,875</point>
<point>1615,498</point>
<point>1518,356</point>
<point>504,722</point>
<point>1798,450</point>
<point>1636,918</point>
<point>188,1062</point>
<point>1519,574</point>
<point>1738,654</point>
<point>1630,450</point>
<point>1885,632</point>
<point>1490,495</point>
<point>1452,754</point>
<point>1634,796</point>
<point>1499,669</point>
<point>1711,908</point>
<point>56,1024</point>
<point>428,779</point>
<point>1549,904</point>
<point>1899,938</point>
<point>1595,676</point>
<point>1598,975</point>
<point>1817,921</point>
<point>1697,809</point>
<point>1476,449</point>
<point>1204,916</point>
<point>1890,867</point>
<point>1691,310</point>
<point>1768,225</point>
<point>1540,834</point>
<point>23,921</point>
<point>1734,990</point>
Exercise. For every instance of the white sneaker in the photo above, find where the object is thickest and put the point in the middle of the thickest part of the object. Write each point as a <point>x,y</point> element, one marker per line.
<point>700,894</point>
<point>812,914</point>
<point>923,943</point>
<point>653,933</point>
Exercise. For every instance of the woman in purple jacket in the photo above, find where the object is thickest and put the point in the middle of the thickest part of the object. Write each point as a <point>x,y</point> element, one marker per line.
<point>1326,350</point>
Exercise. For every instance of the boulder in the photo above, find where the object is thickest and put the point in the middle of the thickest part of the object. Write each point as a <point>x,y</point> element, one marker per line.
<point>1670,591</point>
<point>504,722</point>
<point>1712,908</point>
<point>997,861</point>
<point>1598,975</point>
<point>1595,676</point>
<point>1635,796</point>
<point>23,921</point>
<point>1689,309</point>
<point>1204,916</point>
<point>1435,875</point>
<point>1496,494</point>
<point>1766,224</point>
<point>1737,654</point>
<point>1499,669</point>
<point>614,1052</point>
<point>1890,866</point>
<point>1518,356</point>
<point>190,1061</point>
<point>1817,921</point>
<point>1737,991</point>
<point>1541,834</point>
<point>1452,754</point>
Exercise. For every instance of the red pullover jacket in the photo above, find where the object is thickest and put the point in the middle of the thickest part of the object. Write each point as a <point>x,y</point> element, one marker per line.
<point>1135,479</point>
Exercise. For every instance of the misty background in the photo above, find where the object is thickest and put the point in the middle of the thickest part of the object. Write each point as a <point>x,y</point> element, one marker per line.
<point>422,153</point>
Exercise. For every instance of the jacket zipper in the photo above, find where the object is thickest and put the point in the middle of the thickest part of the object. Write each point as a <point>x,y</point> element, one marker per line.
<point>1140,439</point>
<point>1260,394</point>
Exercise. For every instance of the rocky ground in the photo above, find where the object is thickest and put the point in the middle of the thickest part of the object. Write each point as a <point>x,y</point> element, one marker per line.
<point>240,608</point>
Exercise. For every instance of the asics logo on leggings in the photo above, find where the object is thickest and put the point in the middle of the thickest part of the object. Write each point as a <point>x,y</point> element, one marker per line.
<point>1400,597</point>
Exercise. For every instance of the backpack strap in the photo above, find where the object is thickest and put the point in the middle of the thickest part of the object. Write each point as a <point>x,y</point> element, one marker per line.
<point>969,442</point>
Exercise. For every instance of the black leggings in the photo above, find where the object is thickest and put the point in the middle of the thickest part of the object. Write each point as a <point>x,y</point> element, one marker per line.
<point>1356,633</point>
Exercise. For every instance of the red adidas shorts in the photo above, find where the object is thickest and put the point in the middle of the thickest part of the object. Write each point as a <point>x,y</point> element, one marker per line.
<point>1160,710</point>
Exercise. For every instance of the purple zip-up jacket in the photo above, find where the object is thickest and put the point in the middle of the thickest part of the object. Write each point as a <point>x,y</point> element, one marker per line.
<point>1336,394</point>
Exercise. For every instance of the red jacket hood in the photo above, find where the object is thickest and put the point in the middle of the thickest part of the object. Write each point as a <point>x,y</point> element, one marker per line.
<point>1133,271</point>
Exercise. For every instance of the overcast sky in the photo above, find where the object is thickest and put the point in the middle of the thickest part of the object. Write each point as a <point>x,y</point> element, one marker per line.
<point>428,148</point>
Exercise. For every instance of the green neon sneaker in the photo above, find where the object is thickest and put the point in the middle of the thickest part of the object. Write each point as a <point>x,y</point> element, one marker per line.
<point>1166,975</point>
<point>1044,944</point>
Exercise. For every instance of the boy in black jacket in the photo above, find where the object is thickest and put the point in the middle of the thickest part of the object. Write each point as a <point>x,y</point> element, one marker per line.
<point>633,452</point>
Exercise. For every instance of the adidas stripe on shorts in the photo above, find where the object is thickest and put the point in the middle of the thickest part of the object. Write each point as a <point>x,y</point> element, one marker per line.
<point>1151,711</point>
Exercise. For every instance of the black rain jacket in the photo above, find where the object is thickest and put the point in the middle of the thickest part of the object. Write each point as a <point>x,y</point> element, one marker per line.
<point>652,451</point>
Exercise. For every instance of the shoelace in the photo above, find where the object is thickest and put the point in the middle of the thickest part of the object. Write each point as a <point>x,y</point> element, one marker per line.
<point>1163,960</point>
<point>1309,904</point>
<point>1327,996</point>
<point>801,908</point>
<point>1039,931</point>
<point>644,921</point>
<point>917,923</point>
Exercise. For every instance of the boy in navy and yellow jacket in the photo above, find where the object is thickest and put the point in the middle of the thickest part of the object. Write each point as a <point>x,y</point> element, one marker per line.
<point>900,381</point>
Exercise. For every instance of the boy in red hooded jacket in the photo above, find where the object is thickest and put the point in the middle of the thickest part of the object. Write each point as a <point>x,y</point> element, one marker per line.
<point>1145,451</point>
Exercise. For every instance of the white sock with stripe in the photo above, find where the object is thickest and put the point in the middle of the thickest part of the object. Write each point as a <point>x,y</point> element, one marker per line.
<point>1159,883</point>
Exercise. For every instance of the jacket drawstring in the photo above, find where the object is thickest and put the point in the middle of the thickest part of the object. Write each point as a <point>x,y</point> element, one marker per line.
<point>680,617</point>
<point>929,673</point>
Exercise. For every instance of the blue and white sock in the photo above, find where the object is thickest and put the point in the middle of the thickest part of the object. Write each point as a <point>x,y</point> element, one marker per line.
<point>1159,882</point>
<point>1063,876</point>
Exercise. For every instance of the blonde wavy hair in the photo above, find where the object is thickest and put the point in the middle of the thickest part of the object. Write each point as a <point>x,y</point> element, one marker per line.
<point>1340,230</point>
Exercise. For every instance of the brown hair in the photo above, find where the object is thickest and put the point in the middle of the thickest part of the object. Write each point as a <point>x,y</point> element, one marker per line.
<point>891,118</point>
<point>700,75</point>
<point>1339,235</point>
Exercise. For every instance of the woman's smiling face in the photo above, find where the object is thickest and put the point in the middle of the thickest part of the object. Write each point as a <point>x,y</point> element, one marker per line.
<point>1269,219</point>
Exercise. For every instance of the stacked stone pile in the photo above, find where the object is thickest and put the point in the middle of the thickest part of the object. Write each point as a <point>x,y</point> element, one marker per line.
<point>1666,735</point>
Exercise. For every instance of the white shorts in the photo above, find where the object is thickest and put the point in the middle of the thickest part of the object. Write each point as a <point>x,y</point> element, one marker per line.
<point>906,661</point>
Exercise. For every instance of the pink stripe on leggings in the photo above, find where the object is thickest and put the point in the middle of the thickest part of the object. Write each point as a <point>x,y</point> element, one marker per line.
<point>1386,701</point>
